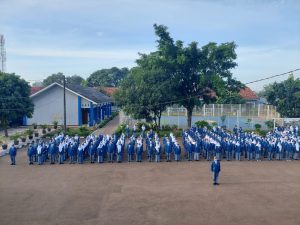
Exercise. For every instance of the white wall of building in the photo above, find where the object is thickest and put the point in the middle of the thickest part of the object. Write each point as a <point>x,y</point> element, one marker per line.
<point>48,107</point>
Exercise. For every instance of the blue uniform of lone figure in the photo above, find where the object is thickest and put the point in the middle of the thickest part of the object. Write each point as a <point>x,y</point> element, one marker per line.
<point>12,154</point>
<point>215,169</point>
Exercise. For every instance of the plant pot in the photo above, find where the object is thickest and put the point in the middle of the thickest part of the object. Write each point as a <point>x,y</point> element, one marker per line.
<point>55,127</point>
<point>23,139</point>
<point>49,129</point>
<point>36,134</point>
<point>4,146</point>
<point>16,142</point>
<point>30,137</point>
<point>35,126</point>
<point>44,131</point>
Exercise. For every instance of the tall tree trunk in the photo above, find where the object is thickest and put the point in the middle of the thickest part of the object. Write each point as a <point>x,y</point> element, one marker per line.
<point>159,117</point>
<point>5,131</point>
<point>189,117</point>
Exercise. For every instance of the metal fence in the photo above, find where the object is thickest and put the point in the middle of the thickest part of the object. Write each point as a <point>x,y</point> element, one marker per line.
<point>250,110</point>
<point>229,115</point>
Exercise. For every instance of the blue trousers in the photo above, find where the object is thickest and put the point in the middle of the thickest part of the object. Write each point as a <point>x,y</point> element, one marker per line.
<point>228,155</point>
<point>52,158</point>
<point>100,159</point>
<point>13,159</point>
<point>215,177</point>
<point>110,157</point>
<point>40,160</point>
<point>157,158</point>
<point>80,159</point>
<point>61,159</point>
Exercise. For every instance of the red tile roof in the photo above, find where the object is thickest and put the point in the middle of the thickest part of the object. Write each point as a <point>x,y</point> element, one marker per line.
<point>35,89</point>
<point>109,90</point>
<point>248,94</point>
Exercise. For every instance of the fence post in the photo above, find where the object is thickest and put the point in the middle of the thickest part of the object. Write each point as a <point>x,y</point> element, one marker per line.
<point>204,110</point>
<point>213,110</point>
<point>258,109</point>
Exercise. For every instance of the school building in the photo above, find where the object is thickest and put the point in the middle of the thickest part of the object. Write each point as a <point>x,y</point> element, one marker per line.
<point>84,105</point>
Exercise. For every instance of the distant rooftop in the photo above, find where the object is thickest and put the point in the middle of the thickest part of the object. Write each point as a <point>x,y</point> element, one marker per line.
<point>248,94</point>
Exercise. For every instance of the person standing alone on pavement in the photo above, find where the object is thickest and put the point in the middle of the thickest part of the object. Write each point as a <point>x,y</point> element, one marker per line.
<point>215,169</point>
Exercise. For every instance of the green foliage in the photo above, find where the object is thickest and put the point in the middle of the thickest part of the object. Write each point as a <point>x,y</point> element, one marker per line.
<point>75,79</point>
<point>29,132</point>
<point>202,123</point>
<point>55,123</point>
<point>44,126</point>
<point>257,126</point>
<point>166,127</point>
<point>140,124</point>
<point>189,73</point>
<point>270,124</point>
<point>14,99</point>
<point>145,92</point>
<point>121,129</point>
<point>285,96</point>
<point>176,133</point>
<point>59,78</point>
<point>15,136</point>
<point>107,77</point>
<point>82,131</point>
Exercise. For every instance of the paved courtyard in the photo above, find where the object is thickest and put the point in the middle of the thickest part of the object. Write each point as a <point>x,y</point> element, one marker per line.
<point>149,193</point>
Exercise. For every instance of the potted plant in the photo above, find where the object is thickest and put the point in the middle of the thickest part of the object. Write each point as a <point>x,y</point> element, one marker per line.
<point>49,128</point>
<point>29,132</point>
<point>23,138</point>
<point>34,126</point>
<point>36,134</point>
<point>44,126</point>
<point>4,146</point>
<point>55,124</point>
<point>15,138</point>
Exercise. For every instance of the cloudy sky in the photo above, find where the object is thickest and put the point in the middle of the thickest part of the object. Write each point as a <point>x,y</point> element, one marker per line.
<point>82,36</point>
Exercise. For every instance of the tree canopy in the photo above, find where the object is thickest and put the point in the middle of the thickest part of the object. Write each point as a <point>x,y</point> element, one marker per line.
<point>14,99</point>
<point>145,92</point>
<point>59,78</point>
<point>285,96</point>
<point>107,77</point>
<point>191,75</point>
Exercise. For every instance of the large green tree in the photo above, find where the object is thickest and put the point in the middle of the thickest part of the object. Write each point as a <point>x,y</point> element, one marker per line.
<point>198,75</point>
<point>107,77</point>
<point>56,77</point>
<point>285,96</point>
<point>183,74</point>
<point>146,91</point>
<point>14,99</point>
<point>59,78</point>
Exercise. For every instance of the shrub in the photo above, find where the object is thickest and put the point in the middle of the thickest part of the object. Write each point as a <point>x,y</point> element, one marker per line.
<point>55,123</point>
<point>15,136</point>
<point>270,124</point>
<point>166,127</point>
<point>202,123</point>
<point>214,124</point>
<point>140,124</point>
<point>257,126</point>
<point>174,127</point>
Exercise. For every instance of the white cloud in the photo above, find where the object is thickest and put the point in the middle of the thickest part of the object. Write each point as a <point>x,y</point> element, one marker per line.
<point>95,54</point>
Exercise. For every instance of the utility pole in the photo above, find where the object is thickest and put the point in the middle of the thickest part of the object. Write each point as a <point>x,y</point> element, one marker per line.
<point>2,53</point>
<point>65,119</point>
